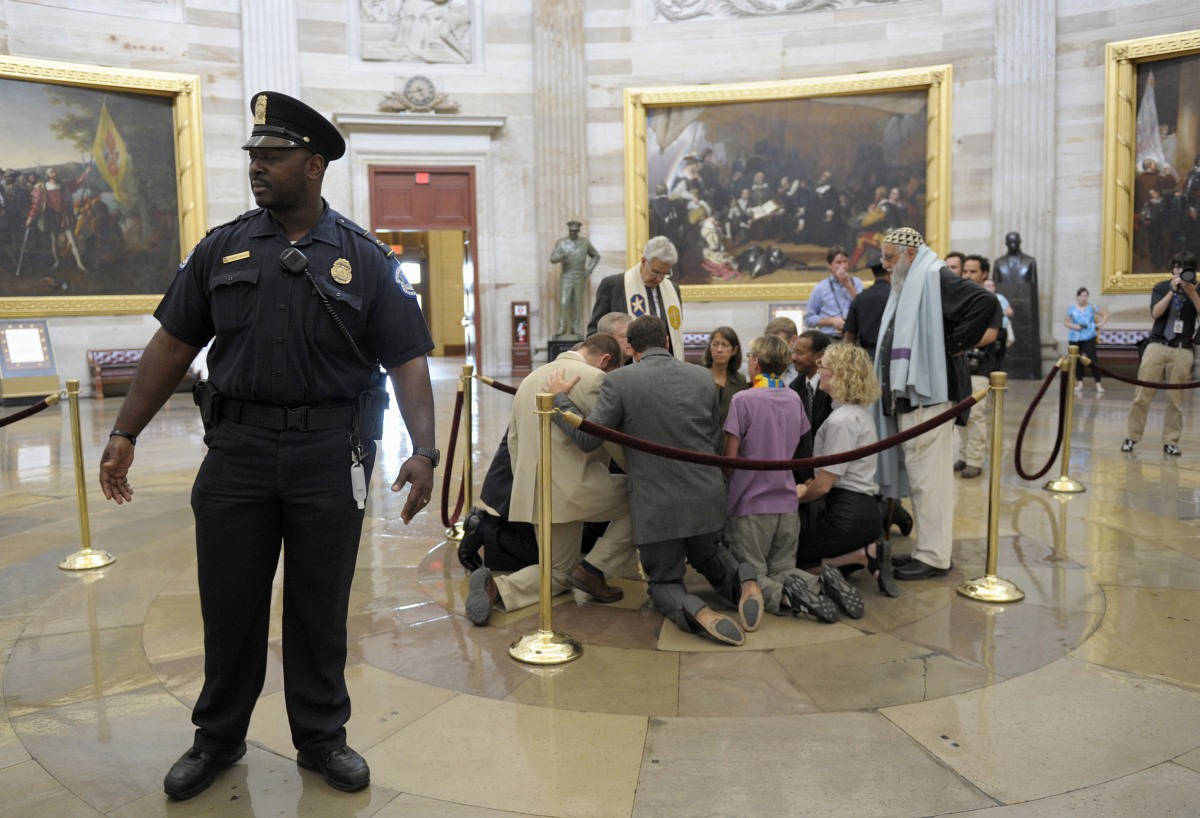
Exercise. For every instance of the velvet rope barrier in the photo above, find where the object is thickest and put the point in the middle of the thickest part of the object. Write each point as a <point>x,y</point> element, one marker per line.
<point>495,384</point>
<point>748,464</point>
<point>1116,376</point>
<point>448,520</point>
<point>1058,440</point>
<point>44,403</point>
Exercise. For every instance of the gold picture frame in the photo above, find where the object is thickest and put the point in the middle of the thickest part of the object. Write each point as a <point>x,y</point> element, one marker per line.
<point>127,147</point>
<point>920,91</point>
<point>1130,236</point>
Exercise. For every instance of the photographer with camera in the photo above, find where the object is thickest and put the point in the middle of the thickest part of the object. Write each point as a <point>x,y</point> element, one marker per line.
<point>1168,355</point>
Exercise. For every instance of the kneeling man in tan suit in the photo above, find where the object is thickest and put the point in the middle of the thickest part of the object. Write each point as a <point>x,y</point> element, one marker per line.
<point>584,491</point>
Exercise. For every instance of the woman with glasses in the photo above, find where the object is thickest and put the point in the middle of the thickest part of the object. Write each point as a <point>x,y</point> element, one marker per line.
<point>723,358</point>
<point>847,531</point>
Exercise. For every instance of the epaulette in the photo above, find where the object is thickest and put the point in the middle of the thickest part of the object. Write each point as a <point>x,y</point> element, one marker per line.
<point>234,220</point>
<point>368,235</point>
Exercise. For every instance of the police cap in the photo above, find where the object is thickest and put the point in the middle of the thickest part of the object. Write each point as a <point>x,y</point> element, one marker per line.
<point>281,121</point>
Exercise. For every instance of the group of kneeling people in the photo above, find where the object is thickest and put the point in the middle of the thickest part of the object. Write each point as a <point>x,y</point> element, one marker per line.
<point>739,529</point>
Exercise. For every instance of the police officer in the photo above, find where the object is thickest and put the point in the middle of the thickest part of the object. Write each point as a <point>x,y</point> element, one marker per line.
<point>291,411</point>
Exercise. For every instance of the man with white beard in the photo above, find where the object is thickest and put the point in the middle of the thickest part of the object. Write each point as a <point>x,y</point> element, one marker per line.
<point>931,319</point>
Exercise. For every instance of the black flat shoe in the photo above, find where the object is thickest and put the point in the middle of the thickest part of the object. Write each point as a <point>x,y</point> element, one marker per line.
<point>881,568</point>
<point>195,770</point>
<point>915,569</point>
<point>468,546</point>
<point>342,768</point>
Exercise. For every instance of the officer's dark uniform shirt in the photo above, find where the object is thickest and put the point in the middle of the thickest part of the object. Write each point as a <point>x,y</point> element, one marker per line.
<point>274,341</point>
<point>866,313</point>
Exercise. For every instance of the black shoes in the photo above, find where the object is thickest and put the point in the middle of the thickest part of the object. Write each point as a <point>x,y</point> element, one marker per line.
<point>343,768</point>
<point>196,769</point>
<point>844,595</point>
<point>881,566</point>
<point>970,472</point>
<point>959,465</point>
<point>468,546</point>
<point>1128,445</point>
<point>1171,449</point>
<point>804,601</point>
<point>915,569</point>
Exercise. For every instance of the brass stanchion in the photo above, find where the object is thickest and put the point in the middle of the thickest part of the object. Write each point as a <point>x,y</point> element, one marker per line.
<point>1064,483</point>
<point>991,588</point>
<point>85,558</point>
<point>456,531</point>
<point>545,647</point>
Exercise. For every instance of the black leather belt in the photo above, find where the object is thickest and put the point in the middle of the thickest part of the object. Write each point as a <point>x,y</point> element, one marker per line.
<point>1178,343</point>
<point>301,418</point>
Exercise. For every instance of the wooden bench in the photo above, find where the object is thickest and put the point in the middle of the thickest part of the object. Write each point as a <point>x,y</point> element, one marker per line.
<point>1117,349</point>
<point>112,371</point>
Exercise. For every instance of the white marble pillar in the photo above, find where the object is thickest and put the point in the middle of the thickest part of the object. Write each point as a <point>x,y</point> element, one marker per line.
<point>560,136</point>
<point>270,52</point>
<point>1023,143</point>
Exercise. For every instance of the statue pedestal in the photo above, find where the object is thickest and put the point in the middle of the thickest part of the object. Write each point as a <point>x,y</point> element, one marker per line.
<point>1024,358</point>
<point>556,346</point>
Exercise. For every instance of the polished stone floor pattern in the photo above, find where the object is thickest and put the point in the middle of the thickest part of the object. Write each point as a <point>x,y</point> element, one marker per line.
<point>1081,700</point>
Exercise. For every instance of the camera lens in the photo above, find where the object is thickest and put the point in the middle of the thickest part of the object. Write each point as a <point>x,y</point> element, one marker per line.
<point>1189,276</point>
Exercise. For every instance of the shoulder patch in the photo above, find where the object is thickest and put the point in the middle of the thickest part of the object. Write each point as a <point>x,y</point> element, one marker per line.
<point>401,279</point>
<point>187,258</point>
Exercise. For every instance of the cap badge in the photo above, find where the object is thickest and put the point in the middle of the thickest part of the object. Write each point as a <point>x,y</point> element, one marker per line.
<point>340,272</point>
<point>260,110</point>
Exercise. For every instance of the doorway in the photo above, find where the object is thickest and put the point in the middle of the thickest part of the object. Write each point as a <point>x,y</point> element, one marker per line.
<point>427,215</point>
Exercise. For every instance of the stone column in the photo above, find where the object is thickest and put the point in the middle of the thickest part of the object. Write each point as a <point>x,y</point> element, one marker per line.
<point>1023,154</point>
<point>270,47</point>
<point>560,137</point>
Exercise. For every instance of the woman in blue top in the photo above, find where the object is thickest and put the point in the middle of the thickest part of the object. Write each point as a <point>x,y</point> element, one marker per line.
<point>1084,321</point>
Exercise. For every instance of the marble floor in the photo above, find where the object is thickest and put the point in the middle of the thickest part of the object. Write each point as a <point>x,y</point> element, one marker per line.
<point>1081,700</point>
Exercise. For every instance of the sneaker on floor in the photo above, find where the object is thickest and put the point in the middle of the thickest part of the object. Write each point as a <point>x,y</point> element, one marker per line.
<point>1127,446</point>
<point>844,595</point>
<point>804,601</point>
<point>1172,450</point>
<point>1099,388</point>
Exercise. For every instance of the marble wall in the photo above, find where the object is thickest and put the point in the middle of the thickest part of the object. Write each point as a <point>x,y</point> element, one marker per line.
<point>628,43</point>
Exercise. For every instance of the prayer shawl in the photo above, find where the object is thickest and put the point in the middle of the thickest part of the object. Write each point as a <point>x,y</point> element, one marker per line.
<point>917,369</point>
<point>637,304</point>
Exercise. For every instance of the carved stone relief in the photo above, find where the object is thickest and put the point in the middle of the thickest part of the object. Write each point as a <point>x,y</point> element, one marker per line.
<point>429,31</point>
<point>677,10</point>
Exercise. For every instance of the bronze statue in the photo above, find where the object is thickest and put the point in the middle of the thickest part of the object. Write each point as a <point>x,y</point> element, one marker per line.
<point>578,258</point>
<point>1015,274</point>
<point>1015,267</point>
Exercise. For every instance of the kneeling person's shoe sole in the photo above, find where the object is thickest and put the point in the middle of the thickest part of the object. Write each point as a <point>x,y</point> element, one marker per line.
<point>845,595</point>
<point>195,770</point>
<point>342,768</point>
<point>804,601</point>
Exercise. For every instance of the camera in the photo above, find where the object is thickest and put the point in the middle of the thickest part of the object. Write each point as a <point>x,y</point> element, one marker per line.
<point>1188,276</point>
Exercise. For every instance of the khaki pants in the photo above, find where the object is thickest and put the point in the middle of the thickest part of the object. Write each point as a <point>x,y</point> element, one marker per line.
<point>974,435</point>
<point>929,461</point>
<point>1161,364</point>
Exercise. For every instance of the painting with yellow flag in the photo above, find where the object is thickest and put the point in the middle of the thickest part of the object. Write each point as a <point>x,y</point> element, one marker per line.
<point>100,199</point>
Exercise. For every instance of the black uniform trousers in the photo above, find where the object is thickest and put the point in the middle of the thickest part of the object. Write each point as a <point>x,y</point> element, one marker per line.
<point>256,490</point>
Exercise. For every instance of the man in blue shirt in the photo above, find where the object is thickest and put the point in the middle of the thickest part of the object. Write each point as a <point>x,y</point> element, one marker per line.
<point>830,300</point>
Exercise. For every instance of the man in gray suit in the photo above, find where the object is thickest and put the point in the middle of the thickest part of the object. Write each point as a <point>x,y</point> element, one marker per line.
<point>677,508</point>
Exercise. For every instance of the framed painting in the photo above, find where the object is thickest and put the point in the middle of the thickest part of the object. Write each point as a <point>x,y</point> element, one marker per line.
<point>754,182</point>
<point>1151,158</point>
<point>102,186</point>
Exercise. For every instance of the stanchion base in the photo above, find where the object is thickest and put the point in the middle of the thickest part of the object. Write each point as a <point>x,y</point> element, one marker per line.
<point>455,532</point>
<point>1065,485</point>
<point>85,559</point>
<point>991,589</point>
<point>545,648</point>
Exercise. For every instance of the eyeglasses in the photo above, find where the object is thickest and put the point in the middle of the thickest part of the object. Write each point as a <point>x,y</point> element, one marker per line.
<point>889,257</point>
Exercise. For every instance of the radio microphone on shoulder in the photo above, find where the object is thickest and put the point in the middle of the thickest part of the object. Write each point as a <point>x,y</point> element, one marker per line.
<point>293,261</point>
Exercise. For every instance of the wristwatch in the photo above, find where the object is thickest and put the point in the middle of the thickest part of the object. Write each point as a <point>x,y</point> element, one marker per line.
<point>433,454</point>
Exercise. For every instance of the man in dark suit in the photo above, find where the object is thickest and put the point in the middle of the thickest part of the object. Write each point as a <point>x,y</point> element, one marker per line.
<point>806,353</point>
<point>866,311</point>
<point>646,289</point>
<point>677,508</point>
